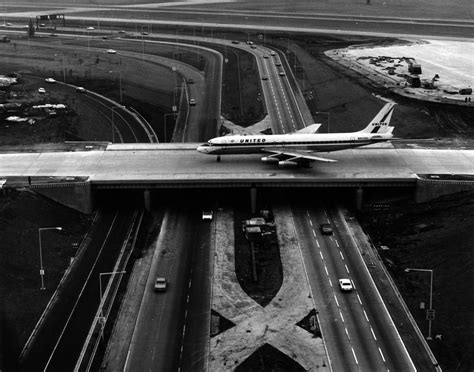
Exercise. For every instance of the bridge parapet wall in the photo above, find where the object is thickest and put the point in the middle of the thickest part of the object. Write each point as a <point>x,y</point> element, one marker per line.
<point>75,195</point>
<point>427,189</point>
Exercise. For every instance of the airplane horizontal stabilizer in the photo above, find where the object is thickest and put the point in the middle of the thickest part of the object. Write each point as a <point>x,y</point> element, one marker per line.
<point>313,128</point>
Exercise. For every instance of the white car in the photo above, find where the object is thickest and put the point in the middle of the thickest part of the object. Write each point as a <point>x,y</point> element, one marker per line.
<point>207,215</point>
<point>50,80</point>
<point>345,285</point>
<point>80,89</point>
<point>192,102</point>
<point>41,90</point>
<point>160,284</point>
<point>90,28</point>
<point>111,51</point>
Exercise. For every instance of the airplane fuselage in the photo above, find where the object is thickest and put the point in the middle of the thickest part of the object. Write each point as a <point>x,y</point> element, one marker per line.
<point>259,143</point>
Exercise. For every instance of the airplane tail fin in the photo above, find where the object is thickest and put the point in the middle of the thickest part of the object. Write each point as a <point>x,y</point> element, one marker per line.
<point>380,124</point>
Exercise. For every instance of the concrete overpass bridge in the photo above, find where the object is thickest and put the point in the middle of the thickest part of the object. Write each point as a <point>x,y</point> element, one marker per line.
<point>72,175</point>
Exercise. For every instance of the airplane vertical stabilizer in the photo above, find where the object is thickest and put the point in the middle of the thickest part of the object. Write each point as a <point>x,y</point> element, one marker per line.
<point>381,122</point>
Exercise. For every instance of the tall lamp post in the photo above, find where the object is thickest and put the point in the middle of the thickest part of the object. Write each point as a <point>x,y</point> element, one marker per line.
<point>430,311</point>
<point>41,251</point>
<point>113,123</point>
<point>120,83</point>
<point>165,121</point>
<point>100,288</point>
<point>325,113</point>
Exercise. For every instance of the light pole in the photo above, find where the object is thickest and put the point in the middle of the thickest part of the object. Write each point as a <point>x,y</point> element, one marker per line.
<point>41,252</point>
<point>325,113</point>
<point>113,123</point>
<point>100,289</point>
<point>165,118</point>
<point>120,83</point>
<point>430,311</point>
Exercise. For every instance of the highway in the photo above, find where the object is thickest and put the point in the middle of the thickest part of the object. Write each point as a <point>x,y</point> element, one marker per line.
<point>172,327</point>
<point>356,326</point>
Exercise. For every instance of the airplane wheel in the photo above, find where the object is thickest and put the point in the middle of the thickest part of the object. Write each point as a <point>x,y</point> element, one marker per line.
<point>218,159</point>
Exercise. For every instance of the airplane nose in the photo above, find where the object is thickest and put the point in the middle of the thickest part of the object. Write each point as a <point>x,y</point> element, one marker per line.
<point>202,149</point>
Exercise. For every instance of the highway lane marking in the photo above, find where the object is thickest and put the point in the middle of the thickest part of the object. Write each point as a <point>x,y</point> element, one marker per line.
<point>381,354</point>
<point>337,243</point>
<point>360,301</point>
<point>317,243</point>
<point>373,333</point>
<point>366,317</point>
<point>330,283</point>
<point>354,354</point>
<point>314,233</point>
<point>335,299</point>
<point>347,269</point>
<point>311,222</point>
<point>307,212</point>
<point>326,269</point>
<point>342,317</point>
<point>321,254</point>
<point>342,256</point>
<point>347,333</point>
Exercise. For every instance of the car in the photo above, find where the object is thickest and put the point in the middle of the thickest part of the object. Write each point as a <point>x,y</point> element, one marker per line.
<point>192,102</point>
<point>144,33</point>
<point>281,73</point>
<point>50,80</point>
<point>41,90</point>
<point>277,63</point>
<point>264,77</point>
<point>265,56</point>
<point>121,31</point>
<point>273,53</point>
<point>250,42</point>
<point>161,284</point>
<point>80,89</point>
<point>253,46</point>
<point>111,51</point>
<point>235,42</point>
<point>345,285</point>
<point>207,215</point>
<point>190,81</point>
<point>90,28</point>
<point>105,37</point>
<point>42,25</point>
<point>326,229</point>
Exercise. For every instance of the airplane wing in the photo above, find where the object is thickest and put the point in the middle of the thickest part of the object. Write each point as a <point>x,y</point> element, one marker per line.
<point>297,156</point>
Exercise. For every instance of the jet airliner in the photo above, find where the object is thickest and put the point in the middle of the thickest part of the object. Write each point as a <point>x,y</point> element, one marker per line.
<point>298,148</point>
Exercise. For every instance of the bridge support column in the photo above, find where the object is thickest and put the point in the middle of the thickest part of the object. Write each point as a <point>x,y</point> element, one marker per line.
<point>359,197</point>
<point>147,199</point>
<point>253,199</point>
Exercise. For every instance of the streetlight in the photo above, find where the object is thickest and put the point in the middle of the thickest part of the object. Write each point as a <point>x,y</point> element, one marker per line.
<point>430,311</point>
<point>325,113</point>
<point>120,83</point>
<point>165,118</point>
<point>101,318</point>
<point>41,252</point>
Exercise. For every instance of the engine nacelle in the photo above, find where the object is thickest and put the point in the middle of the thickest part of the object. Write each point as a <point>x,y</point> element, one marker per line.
<point>270,160</point>
<point>287,164</point>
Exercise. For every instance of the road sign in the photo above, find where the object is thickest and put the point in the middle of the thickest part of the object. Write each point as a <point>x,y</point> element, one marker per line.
<point>430,314</point>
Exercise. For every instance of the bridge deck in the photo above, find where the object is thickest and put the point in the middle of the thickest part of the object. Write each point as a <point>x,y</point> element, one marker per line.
<point>180,164</point>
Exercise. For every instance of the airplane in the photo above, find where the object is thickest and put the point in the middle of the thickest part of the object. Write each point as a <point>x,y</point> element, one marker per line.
<point>298,148</point>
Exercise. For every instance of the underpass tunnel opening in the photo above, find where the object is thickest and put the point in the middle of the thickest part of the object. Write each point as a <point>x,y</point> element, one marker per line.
<point>253,198</point>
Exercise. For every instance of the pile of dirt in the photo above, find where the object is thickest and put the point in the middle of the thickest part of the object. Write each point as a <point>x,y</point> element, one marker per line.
<point>438,236</point>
